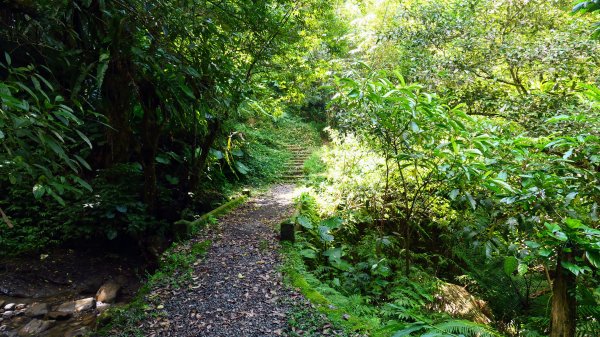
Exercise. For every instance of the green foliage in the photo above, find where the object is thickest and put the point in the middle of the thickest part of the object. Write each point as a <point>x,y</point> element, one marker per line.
<point>40,135</point>
<point>446,328</point>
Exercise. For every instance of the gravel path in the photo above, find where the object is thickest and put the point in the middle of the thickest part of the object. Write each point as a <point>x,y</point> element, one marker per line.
<point>236,289</point>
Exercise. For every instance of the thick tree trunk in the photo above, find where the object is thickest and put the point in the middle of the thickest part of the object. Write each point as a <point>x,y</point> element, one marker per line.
<point>563,300</point>
<point>150,135</point>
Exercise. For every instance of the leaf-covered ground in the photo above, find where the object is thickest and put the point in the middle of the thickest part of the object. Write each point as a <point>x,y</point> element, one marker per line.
<point>237,288</point>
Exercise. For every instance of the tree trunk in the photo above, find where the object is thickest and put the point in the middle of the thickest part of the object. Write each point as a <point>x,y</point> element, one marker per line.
<point>150,134</point>
<point>563,299</point>
<point>198,166</point>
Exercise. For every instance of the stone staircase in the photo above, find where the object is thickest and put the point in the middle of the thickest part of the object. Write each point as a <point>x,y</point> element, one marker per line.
<point>294,168</point>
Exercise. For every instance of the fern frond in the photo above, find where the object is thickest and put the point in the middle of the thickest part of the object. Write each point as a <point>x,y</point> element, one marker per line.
<point>447,328</point>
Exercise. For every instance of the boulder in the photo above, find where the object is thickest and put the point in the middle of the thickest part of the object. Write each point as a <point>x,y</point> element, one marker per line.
<point>10,306</point>
<point>20,306</point>
<point>37,310</point>
<point>458,302</point>
<point>59,315</point>
<point>35,327</point>
<point>67,308</point>
<point>8,314</point>
<point>108,292</point>
<point>85,304</point>
<point>77,306</point>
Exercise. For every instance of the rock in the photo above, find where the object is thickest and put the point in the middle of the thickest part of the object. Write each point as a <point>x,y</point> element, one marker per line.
<point>37,310</point>
<point>10,306</point>
<point>2,303</point>
<point>458,302</point>
<point>20,306</point>
<point>287,231</point>
<point>108,292</point>
<point>35,327</point>
<point>77,306</point>
<point>101,306</point>
<point>59,315</point>
<point>8,314</point>
<point>67,307</point>
<point>85,304</point>
<point>79,332</point>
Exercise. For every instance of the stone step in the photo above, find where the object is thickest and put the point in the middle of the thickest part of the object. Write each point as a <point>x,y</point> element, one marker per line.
<point>287,177</point>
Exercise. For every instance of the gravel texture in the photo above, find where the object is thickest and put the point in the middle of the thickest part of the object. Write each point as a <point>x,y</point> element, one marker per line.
<point>236,289</point>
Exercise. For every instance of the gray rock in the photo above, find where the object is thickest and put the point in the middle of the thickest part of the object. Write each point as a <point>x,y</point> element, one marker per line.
<point>20,306</point>
<point>10,306</point>
<point>8,314</point>
<point>108,292</point>
<point>67,307</point>
<point>85,304</point>
<point>59,315</point>
<point>37,310</point>
<point>35,327</point>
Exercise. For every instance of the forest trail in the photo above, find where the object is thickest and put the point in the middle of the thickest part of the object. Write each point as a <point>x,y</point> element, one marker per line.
<point>237,289</point>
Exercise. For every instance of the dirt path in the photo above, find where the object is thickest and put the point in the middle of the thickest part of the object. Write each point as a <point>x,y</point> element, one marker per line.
<point>237,289</point>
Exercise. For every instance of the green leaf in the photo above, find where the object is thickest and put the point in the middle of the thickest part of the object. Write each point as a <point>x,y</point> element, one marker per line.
<point>333,222</point>
<point>503,184</point>
<point>560,236</point>
<point>217,154</point>
<point>38,191</point>
<point>510,265</point>
<point>162,159</point>
<point>573,223</point>
<point>308,253</point>
<point>522,269</point>
<point>593,258</point>
<point>324,234</point>
<point>83,183</point>
<point>83,162</point>
<point>241,168</point>
<point>573,268</point>
<point>453,194</point>
<point>568,154</point>
<point>187,91</point>
<point>121,208</point>
<point>304,221</point>
<point>471,200</point>
<point>84,138</point>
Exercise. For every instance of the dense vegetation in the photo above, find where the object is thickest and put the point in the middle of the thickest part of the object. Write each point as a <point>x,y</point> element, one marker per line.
<point>121,115</point>
<point>462,144</point>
